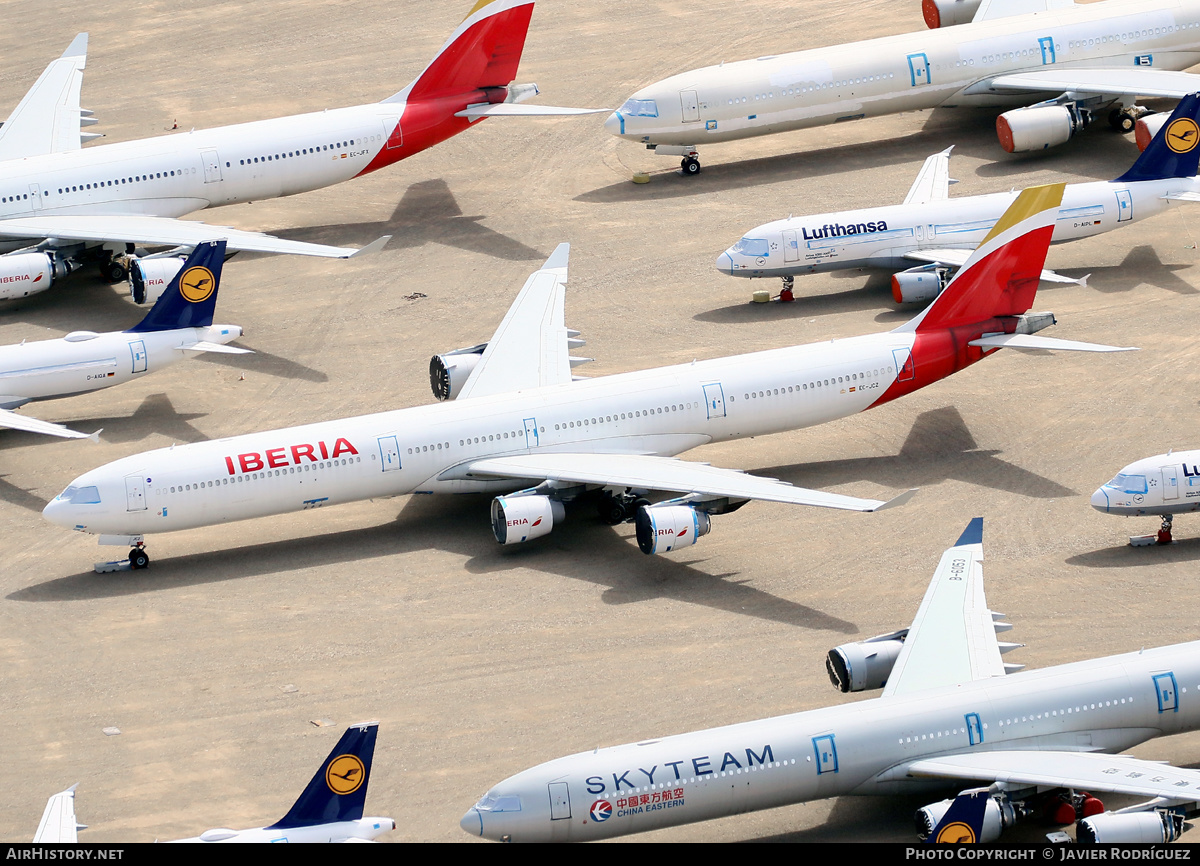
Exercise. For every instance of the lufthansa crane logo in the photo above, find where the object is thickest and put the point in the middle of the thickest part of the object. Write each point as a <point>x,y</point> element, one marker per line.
<point>1183,135</point>
<point>345,774</point>
<point>196,284</point>
<point>956,832</point>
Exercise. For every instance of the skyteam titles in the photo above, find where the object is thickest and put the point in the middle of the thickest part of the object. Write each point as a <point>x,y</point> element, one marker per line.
<point>704,765</point>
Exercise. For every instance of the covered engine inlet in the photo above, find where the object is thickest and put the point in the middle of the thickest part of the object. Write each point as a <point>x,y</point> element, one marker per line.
<point>662,528</point>
<point>919,285</point>
<point>866,664</point>
<point>449,372</point>
<point>998,815</point>
<point>1039,126</point>
<point>149,277</point>
<point>947,13</point>
<point>521,518</point>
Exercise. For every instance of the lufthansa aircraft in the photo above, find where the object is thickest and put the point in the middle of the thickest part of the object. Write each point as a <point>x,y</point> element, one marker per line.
<point>1089,59</point>
<point>518,420</point>
<point>61,206</point>
<point>1163,486</point>
<point>179,325</point>
<point>940,232</point>
<point>952,713</point>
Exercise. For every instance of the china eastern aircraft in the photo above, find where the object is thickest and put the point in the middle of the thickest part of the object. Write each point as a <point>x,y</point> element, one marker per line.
<point>1164,486</point>
<point>940,232</point>
<point>1075,61</point>
<point>518,421</point>
<point>62,205</point>
<point>178,326</point>
<point>952,713</point>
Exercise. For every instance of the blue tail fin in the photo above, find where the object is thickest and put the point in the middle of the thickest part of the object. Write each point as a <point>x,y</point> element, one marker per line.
<point>190,299</point>
<point>1175,151</point>
<point>963,821</point>
<point>338,791</point>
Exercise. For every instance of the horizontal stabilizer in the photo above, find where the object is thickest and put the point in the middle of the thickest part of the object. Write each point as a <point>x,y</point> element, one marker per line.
<point>510,109</point>
<point>1033,341</point>
<point>13,421</point>
<point>1182,196</point>
<point>205,346</point>
<point>373,247</point>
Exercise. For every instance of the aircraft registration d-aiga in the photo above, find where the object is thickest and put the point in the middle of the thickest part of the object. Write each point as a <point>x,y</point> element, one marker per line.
<point>940,232</point>
<point>62,205</point>
<point>178,326</point>
<point>952,712</point>
<point>1162,486</point>
<point>1098,57</point>
<point>518,421</point>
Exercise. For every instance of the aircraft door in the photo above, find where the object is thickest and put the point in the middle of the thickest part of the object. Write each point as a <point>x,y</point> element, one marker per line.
<point>212,166</point>
<point>35,196</point>
<point>691,106</point>
<point>389,453</point>
<point>1124,205</point>
<point>137,348</point>
<point>826,751</point>
<point>1170,483</point>
<point>1047,46</point>
<point>905,370</point>
<point>791,246</point>
<point>531,433</point>
<point>974,729</point>
<point>135,493</point>
<point>714,398</point>
<point>393,133</point>
<point>918,69</point>
<point>560,801</point>
<point>1168,692</point>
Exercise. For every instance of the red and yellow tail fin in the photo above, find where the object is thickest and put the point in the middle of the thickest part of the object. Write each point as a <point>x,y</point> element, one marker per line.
<point>1001,276</point>
<point>484,51</point>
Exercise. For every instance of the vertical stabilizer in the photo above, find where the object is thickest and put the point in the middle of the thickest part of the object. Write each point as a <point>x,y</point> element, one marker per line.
<point>190,299</point>
<point>338,791</point>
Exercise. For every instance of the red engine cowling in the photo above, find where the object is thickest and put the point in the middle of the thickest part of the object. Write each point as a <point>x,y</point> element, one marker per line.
<point>25,274</point>
<point>148,277</point>
<point>917,286</point>
<point>1036,128</point>
<point>1147,127</point>
<point>947,13</point>
<point>522,518</point>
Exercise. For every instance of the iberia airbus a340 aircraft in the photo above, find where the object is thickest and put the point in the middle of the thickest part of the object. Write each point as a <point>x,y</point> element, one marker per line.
<point>519,422</point>
<point>62,206</point>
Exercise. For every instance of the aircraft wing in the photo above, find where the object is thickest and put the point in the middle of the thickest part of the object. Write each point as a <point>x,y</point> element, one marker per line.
<point>164,231</point>
<point>933,180</point>
<point>529,349</point>
<point>1132,80</point>
<point>957,258</point>
<point>13,421</point>
<point>58,821</point>
<point>952,640</point>
<point>1089,771</point>
<point>48,119</point>
<point>649,472</point>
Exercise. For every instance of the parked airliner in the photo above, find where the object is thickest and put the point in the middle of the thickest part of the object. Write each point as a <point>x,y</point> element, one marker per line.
<point>952,712</point>
<point>1163,486</point>
<point>1089,59</point>
<point>58,822</point>
<point>61,206</point>
<point>517,420</point>
<point>940,232</point>
<point>179,325</point>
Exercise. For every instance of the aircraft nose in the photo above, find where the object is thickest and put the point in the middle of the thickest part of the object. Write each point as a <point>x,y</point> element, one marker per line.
<point>472,822</point>
<point>615,124</point>
<point>1100,500</point>
<point>54,512</point>
<point>725,263</point>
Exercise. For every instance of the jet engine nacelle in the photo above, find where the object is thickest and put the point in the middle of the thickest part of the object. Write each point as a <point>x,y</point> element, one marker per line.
<point>919,285</point>
<point>149,277</point>
<point>947,13</point>
<point>522,518</point>
<point>25,274</point>
<point>998,815</point>
<point>1150,828</point>
<point>864,664</point>
<point>1147,127</point>
<point>662,528</point>
<point>449,372</point>
<point>1038,127</point>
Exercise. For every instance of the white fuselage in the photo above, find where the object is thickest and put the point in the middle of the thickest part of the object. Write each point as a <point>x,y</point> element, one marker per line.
<point>1105,705</point>
<point>880,237</point>
<point>1160,485</point>
<point>927,69</point>
<point>364,829</point>
<point>86,361</point>
<point>425,449</point>
<point>178,174</point>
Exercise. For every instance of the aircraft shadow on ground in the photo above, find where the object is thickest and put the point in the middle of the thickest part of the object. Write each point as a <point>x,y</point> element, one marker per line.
<point>1124,556</point>
<point>862,819</point>
<point>427,214</point>
<point>460,525</point>
<point>971,131</point>
<point>264,362</point>
<point>80,300</point>
<point>874,293</point>
<point>19,496</point>
<point>156,415</point>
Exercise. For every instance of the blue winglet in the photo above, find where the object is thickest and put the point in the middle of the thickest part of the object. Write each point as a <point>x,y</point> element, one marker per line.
<point>973,534</point>
<point>191,297</point>
<point>1175,151</point>
<point>338,791</point>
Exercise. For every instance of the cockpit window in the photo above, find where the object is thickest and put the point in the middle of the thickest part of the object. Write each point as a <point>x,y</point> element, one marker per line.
<point>490,803</point>
<point>640,108</point>
<point>1128,483</point>
<point>751,247</point>
<point>81,495</point>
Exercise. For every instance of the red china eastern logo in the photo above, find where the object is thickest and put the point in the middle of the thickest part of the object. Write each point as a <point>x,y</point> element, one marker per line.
<point>276,458</point>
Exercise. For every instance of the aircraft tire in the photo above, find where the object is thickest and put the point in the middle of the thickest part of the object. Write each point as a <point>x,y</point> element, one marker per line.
<point>138,559</point>
<point>113,271</point>
<point>690,165</point>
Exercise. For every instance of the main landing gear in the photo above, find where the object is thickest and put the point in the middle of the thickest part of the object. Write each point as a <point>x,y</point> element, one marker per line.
<point>1125,119</point>
<point>616,508</point>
